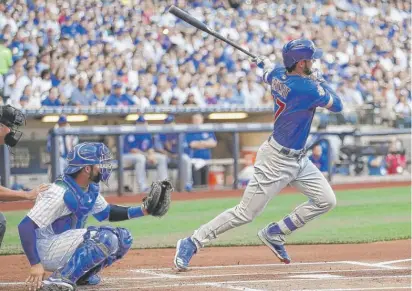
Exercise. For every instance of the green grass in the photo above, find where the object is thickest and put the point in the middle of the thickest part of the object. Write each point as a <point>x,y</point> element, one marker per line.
<point>361,216</point>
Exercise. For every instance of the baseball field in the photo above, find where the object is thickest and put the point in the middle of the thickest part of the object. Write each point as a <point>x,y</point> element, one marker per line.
<point>363,244</point>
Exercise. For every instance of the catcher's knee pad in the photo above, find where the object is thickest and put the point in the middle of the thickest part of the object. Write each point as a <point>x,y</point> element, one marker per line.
<point>118,239</point>
<point>105,238</point>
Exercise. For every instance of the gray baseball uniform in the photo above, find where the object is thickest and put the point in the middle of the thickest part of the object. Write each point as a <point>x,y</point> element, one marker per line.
<point>273,172</point>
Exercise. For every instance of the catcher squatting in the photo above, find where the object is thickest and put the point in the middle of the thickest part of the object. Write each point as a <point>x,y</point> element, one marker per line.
<point>53,233</point>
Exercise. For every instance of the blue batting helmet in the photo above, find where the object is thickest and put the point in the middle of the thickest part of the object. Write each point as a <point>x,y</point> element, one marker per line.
<point>298,50</point>
<point>88,154</point>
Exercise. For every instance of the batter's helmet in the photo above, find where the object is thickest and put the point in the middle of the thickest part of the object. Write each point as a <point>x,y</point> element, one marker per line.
<point>88,154</point>
<point>298,50</point>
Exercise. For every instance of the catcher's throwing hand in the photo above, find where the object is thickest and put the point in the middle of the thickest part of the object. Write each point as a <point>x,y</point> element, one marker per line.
<point>34,281</point>
<point>157,202</point>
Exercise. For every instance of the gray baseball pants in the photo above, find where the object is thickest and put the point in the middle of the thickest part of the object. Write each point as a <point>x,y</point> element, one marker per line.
<point>273,171</point>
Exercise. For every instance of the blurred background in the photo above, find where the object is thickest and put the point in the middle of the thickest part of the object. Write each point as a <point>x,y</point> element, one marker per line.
<point>79,63</point>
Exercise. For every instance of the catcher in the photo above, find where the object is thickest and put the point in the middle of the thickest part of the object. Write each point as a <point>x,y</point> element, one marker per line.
<point>53,233</point>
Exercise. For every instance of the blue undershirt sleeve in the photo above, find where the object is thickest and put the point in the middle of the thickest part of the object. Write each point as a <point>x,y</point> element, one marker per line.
<point>27,231</point>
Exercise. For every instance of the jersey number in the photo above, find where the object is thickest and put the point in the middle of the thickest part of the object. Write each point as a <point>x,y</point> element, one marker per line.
<point>281,107</point>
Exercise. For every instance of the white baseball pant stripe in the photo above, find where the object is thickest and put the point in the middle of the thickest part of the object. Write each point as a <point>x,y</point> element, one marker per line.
<point>56,250</point>
<point>273,171</point>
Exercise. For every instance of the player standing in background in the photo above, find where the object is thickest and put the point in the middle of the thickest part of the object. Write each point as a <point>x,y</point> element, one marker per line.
<point>10,120</point>
<point>53,233</point>
<point>280,160</point>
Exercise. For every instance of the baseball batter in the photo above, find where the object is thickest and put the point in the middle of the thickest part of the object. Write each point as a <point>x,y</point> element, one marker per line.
<point>281,159</point>
<point>53,233</point>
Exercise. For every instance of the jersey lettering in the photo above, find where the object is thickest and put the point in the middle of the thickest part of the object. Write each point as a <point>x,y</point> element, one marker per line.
<point>281,88</point>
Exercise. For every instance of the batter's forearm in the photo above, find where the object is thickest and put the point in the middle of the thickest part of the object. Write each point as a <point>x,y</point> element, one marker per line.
<point>335,104</point>
<point>27,232</point>
<point>11,195</point>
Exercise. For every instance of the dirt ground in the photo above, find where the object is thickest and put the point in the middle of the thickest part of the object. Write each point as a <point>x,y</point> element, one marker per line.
<point>314,267</point>
<point>373,266</point>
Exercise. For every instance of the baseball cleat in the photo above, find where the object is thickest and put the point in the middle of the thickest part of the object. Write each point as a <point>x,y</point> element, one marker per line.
<point>56,285</point>
<point>91,281</point>
<point>278,249</point>
<point>185,249</point>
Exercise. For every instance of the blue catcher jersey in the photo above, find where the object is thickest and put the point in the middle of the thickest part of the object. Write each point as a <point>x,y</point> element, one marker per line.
<point>296,98</point>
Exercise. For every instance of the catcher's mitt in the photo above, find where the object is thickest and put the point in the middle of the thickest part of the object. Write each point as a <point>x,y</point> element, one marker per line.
<point>157,202</point>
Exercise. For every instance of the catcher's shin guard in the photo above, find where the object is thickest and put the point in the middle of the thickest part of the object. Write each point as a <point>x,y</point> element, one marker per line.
<point>101,247</point>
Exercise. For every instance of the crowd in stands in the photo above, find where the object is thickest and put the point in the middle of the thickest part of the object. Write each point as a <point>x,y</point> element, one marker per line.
<point>133,52</point>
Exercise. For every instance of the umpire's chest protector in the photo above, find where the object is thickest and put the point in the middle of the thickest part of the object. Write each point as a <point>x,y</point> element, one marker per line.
<point>78,202</point>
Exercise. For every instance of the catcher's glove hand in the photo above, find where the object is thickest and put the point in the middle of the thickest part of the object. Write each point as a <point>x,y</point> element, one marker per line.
<point>157,202</point>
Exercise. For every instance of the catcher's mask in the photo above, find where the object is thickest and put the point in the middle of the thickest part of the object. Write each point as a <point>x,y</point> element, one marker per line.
<point>89,154</point>
<point>13,119</point>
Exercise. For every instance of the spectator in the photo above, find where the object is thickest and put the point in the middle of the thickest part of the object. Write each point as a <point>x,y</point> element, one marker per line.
<point>29,100</point>
<point>319,159</point>
<point>362,41</point>
<point>201,144</point>
<point>396,158</point>
<point>174,101</point>
<point>66,143</point>
<point>24,102</point>
<point>403,110</point>
<point>159,101</point>
<point>117,98</point>
<point>138,150</point>
<point>44,82</point>
<point>238,96</point>
<point>52,99</point>
<point>190,100</point>
<point>99,98</point>
<point>140,100</point>
<point>81,96</point>
<point>5,57</point>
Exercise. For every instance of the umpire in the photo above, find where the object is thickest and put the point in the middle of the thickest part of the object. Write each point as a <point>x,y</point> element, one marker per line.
<point>10,121</point>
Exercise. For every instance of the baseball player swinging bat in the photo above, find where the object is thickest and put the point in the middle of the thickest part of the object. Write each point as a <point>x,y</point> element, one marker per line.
<point>200,25</point>
<point>297,91</point>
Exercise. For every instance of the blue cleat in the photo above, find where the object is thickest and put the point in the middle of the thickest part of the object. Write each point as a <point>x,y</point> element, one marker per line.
<point>277,248</point>
<point>91,281</point>
<point>185,250</point>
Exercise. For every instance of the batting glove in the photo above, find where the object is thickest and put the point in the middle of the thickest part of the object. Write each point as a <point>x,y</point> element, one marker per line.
<point>262,62</point>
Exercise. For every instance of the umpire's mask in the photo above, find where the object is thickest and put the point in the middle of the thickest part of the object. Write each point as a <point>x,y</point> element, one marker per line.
<point>13,119</point>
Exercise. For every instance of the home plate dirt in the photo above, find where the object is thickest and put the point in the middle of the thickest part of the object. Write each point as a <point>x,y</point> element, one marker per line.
<point>374,266</point>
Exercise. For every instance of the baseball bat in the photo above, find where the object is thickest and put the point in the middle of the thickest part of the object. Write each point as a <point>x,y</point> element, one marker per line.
<point>200,25</point>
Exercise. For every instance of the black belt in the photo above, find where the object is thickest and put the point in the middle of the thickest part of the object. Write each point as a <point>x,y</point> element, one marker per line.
<point>288,152</point>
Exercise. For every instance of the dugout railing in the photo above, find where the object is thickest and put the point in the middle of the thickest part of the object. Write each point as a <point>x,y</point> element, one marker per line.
<point>119,131</point>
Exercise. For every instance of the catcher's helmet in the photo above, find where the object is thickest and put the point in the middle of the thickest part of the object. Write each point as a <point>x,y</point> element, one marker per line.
<point>298,50</point>
<point>87,154</point>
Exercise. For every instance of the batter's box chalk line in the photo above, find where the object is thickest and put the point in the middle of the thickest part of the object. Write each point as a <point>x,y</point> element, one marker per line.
<point>228,284</point>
